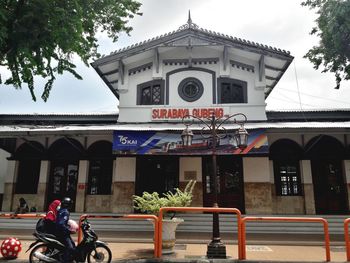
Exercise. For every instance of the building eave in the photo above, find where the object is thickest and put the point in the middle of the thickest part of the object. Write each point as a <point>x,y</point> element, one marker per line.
<point>164,40</point>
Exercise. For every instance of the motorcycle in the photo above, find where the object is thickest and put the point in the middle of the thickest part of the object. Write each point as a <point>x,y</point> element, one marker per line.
<point>47,248</point>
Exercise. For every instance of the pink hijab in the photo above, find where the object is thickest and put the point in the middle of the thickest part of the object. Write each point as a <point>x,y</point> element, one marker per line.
<point>52,212</point>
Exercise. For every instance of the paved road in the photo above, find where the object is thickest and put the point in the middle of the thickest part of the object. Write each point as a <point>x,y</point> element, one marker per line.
<point>143,252</point>
<point>191,247</point>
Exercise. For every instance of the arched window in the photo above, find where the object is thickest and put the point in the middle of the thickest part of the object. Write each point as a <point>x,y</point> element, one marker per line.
<point>65,154</point>
<point>100,168</point>
<point>326,154</point>
<point>29,155</point>
<point>324,147</point>
<point>286,155</point>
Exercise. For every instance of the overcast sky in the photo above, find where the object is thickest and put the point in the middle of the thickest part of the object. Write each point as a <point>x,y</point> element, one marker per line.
<point>282,24</point>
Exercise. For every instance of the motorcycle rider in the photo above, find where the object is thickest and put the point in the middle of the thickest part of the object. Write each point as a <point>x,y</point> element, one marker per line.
<point>63,229</point>
<point>47,224</point>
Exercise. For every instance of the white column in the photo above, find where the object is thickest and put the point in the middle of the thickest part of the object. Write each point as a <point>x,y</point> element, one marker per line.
<point>44,172</point>
<point>257,185</point>
<point>11,171</point>
<point>125,169</point>
<point>43,185</point>
<point>9,185</point>
<point>123,185</point>
<point>3,168</point>
<point>82,185</point>
<point>190,168</point>
<point>306,176</point>
<point>347,178</point>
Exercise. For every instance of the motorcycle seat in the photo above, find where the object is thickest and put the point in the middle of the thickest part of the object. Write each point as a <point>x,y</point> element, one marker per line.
<point>44,235</point>
<point>48,238</point>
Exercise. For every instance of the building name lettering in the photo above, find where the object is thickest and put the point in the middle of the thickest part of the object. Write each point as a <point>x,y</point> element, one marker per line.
<point>165,114</point>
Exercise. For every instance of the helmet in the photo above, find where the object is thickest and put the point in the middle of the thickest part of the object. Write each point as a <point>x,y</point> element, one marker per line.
<point>73,226</point>
<point>66,202</point>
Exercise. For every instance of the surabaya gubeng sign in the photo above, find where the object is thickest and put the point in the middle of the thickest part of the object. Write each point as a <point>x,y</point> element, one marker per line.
<point>179,113</point>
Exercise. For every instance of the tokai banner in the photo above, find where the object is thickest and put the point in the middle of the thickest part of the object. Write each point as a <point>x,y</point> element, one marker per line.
<point>163,143</point>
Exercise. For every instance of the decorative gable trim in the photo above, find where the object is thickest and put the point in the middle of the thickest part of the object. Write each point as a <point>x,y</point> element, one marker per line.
<point>138,69</point>
<point>200,34</point>
<point>242,66</point>
<point>195,61</point>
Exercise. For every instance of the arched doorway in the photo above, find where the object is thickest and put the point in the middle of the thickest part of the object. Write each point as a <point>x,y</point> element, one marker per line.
<point>230,181</point>
<point>326,154</point>
<point>65,154</point>
<point>156,174</point>
<point>100,168</point>
<point>29,156</point>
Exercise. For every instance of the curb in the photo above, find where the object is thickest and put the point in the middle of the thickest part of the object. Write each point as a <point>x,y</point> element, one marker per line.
<point>182,260</point>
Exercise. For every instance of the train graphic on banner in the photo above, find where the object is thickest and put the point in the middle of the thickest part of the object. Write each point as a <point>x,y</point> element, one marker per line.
<point>162,143</point>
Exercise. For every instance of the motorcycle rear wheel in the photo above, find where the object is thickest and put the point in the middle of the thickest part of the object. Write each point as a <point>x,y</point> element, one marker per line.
<point>102,254</point>
<point>43,249</point>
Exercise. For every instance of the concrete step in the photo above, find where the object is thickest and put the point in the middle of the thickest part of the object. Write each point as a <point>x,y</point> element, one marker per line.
<point>200,223</point>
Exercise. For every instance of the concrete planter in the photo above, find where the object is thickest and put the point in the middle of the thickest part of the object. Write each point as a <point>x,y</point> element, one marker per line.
<point>168,234</point>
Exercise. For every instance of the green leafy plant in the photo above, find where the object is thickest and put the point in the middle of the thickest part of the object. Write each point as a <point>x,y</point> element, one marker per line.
<point>150,203</point>
<point>332,53</point>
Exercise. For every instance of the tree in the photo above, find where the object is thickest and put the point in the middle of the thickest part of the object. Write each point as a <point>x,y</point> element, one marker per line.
<point>40,37</point>
<point>333,29</point>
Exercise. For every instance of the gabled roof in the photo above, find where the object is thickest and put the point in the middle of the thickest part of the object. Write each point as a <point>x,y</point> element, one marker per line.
<point>191,35</point>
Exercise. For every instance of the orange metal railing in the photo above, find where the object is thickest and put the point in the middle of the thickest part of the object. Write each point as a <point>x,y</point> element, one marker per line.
<point>199,209</point>
<point>9,215</point>
<point>286,219</point>
<point>346,235</point>
<point>125,217</point>
<point>241,225</point>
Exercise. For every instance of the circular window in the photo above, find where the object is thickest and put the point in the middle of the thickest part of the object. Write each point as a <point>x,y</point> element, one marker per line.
<point>190,89</point>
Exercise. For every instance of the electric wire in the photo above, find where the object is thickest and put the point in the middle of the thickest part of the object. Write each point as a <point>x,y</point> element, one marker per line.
<point>314,96</point>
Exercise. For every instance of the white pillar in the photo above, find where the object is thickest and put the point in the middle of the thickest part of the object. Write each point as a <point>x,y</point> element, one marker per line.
<point>81,186</point>
<point>190,168</point>
<point>43,185</point>
<point>9,185</point>
<point>306,176</point>
<point>347,178</point>
<point>123,185</point>
<point>257,185</point>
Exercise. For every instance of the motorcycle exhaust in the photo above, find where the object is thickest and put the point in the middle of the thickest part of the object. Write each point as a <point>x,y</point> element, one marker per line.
<point>43,257</point>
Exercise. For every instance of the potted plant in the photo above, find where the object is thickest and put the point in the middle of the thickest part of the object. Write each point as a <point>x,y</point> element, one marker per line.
<point>150,203</point>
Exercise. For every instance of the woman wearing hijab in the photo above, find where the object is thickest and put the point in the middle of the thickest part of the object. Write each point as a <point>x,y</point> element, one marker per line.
<point>48,223</point>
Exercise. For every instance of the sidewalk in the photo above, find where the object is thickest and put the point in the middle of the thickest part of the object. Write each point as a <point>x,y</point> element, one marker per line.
<point>142,252</point>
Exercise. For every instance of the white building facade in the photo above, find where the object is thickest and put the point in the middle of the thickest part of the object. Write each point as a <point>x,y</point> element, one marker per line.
<point>293,164</point>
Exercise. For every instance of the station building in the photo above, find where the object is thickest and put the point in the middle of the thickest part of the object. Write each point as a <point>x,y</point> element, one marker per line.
<point>296,162</point>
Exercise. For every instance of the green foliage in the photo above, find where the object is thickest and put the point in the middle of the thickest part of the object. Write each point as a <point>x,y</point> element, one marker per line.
<point>150,203</point>
<point>333,29</point>
<point>40,37</point>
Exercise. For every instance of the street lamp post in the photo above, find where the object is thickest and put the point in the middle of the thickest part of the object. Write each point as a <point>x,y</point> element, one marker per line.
<point>215,131</point>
